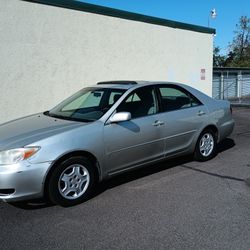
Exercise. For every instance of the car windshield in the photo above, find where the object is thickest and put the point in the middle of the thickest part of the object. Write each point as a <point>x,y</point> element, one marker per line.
<point>87,105</point>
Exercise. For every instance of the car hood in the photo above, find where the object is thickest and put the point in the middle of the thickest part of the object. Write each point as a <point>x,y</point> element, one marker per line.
<point>27,130</point>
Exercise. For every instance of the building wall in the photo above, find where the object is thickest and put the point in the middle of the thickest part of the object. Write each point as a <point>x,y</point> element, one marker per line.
<point>47,53</point>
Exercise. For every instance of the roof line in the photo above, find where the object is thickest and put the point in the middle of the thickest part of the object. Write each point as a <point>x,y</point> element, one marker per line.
<point>231,68</point>
<point>106,11</point>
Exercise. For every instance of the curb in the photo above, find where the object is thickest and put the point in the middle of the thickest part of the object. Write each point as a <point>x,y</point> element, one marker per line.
<point>246,105</point>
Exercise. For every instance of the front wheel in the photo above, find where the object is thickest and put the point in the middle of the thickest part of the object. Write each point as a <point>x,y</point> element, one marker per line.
<point>71,182</point>
<point>206,146</point>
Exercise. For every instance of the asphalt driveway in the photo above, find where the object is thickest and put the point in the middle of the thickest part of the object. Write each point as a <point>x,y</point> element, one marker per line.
<point>179,204</point>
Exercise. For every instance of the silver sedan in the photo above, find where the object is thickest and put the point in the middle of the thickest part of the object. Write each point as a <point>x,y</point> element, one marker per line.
<point>105,130</point>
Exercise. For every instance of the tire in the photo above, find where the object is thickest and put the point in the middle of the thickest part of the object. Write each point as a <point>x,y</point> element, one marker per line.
<point>206,146</point>
<point>71,182</point>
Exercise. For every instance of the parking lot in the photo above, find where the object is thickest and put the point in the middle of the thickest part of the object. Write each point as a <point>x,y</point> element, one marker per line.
<point>178,204</point>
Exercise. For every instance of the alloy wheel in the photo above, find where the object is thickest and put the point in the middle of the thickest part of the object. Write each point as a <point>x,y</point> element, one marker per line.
<point>73,181</point>
<point>206,144</point>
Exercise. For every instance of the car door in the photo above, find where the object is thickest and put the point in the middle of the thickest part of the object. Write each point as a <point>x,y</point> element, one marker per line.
<point>183,116</point>
<point>138,140</point>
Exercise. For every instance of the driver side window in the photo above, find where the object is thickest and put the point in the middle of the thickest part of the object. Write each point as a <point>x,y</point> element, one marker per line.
<point>139,103</point>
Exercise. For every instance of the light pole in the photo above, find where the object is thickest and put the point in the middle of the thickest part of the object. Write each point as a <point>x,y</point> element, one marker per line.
<point>213,15</point>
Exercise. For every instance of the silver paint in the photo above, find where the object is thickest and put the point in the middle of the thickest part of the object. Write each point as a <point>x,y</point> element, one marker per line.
<point>117,147</point>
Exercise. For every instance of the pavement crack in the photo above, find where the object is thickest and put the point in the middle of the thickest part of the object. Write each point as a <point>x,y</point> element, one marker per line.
<point>213,174</point>
<point>227,180</point>
<point>243,133</point>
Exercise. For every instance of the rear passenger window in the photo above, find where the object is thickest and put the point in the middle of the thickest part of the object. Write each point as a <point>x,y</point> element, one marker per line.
<point>175,98</point>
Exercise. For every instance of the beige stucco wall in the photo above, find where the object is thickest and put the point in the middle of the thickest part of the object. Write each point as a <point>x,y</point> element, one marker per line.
<point>47,53</point>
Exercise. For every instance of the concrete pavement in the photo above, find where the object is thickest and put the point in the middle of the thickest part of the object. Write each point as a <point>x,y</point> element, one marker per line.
<point>178,204</point>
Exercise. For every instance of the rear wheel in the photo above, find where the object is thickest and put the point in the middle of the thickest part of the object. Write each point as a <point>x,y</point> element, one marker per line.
<point>206,146</point>
<point>71,182</point>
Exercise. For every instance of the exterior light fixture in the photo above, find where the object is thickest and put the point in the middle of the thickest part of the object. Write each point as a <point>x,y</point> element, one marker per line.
<point>212,14</point>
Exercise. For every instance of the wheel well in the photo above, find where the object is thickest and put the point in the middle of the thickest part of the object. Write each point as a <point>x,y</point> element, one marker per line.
<point>214,129</point>
<point>88,155</point>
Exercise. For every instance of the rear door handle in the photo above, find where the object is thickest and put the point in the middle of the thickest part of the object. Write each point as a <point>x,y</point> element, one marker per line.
<point>200,113</point>
<point>158,123</point>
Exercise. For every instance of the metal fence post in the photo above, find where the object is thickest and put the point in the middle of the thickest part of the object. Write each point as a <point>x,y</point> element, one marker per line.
<point>239,86</point>
<point>221,86</point>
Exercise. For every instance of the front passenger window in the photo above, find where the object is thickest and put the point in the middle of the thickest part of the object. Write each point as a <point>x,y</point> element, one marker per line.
<point>139,103</point>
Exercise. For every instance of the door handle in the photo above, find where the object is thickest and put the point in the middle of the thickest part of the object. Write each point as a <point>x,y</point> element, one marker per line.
<point>158,123</point>
<point>200,113</point>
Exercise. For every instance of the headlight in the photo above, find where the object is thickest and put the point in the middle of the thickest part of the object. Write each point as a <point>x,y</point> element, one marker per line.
<point>14,156</point>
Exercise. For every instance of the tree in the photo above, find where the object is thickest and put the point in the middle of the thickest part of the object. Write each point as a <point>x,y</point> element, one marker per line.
<point>239,55</point>
<point>218,60</point>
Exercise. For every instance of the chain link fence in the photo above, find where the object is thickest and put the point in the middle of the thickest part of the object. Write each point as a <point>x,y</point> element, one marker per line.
<point>232,84</point>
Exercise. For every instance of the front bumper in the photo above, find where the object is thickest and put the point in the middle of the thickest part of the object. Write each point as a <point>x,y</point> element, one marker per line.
<point>22,181</point>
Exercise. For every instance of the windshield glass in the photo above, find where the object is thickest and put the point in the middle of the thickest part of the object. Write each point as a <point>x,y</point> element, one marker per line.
<point>89,104</point>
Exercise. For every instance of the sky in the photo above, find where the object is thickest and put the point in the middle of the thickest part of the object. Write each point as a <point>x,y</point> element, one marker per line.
<point>190,11</point>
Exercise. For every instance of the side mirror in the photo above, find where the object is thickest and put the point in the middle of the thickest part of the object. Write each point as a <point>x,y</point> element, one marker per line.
<point>120,117</point>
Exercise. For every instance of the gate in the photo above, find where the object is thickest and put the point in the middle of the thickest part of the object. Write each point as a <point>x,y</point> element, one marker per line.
<point>232,84</point>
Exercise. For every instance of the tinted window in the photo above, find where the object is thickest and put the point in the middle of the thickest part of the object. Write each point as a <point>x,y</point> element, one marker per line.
<point>89,104</point>
<point>175,98</point>
<point>86,100</point>
<point>141,102</point>
<point>114,97</point>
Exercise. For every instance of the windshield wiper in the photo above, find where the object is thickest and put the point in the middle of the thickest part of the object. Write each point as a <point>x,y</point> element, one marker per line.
<point>66,117</point>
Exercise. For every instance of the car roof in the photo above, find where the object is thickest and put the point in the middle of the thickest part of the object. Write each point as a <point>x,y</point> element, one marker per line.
<point>127,85</point>
<point>123,84</point>
<point>132,84</point>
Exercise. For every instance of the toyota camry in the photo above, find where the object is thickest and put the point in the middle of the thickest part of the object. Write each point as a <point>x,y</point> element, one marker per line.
<point>105,130</point>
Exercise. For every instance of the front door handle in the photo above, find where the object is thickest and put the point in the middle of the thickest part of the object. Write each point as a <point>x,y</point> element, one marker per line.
<point>158,123</point>
<point>200,113</point>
